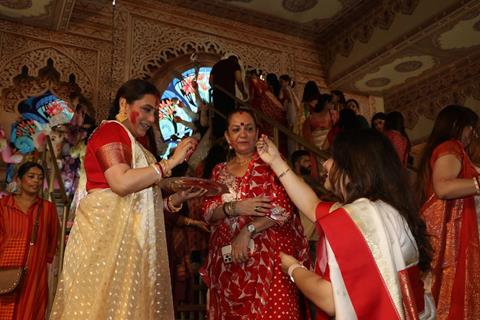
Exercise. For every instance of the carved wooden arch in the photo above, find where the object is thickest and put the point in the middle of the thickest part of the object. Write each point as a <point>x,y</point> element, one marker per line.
<point>179,54</point>
<point>35,59</point>
<point>162,76</point>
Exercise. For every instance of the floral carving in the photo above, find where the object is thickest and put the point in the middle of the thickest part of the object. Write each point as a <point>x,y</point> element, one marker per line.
<point>155,43</point>
<point>82,59</point>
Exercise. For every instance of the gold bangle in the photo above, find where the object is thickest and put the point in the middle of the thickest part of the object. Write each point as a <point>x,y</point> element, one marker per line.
<point>171,207</point>
<point>165,168</point>
<point>283,173</point>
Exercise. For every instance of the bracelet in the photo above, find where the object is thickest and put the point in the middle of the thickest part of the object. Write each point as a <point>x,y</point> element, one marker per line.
<point>477,184</point>
<point>229,209</point>
<point>171,207</point>
<point>283,173</point>
<point>292,268</point>
<point>225,210</point>
<point>164,167</point>
<point>157,170</point>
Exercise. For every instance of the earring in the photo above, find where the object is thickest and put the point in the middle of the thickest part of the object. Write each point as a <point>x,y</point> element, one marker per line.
<point>121,115</point>
<point>230,147</point>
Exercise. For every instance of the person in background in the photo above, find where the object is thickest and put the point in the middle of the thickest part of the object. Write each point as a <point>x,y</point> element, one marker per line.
<point>256,210</point>
<point>289,100</point>
<point>347,122</point>
<point>263,100</point>
<point>378,121</point>
<point>447,182</point>
<point>226,73</point>
<point>320,121</point>
<point>395,131</point>
<point>355,106</point>
<point>273,84</point>
<point>310,97</point>
<point>116,261</point>
<point>338,100</point>
<point>373,245</point>
<point>25,218</point>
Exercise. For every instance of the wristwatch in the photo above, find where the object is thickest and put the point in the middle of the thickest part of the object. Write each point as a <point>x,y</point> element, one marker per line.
<point>251,228</point>
<point>292,268</point>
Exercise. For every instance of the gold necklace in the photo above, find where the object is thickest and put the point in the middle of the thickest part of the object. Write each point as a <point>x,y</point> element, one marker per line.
<point>240,162</point>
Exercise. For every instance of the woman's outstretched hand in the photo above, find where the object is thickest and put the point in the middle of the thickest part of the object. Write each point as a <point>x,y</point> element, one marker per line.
<point>267,150</point>
<point>190,193</point>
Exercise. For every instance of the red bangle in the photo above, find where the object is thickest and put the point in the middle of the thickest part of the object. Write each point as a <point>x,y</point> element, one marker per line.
<point>161,169</point>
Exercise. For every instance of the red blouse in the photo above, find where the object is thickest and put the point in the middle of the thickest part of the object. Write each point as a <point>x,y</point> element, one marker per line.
<point>109,145</point>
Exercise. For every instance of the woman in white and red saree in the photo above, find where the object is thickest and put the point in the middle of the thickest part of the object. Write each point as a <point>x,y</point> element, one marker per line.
<point>256,209</point>
<point>116,261</point>
<point>373,247</point>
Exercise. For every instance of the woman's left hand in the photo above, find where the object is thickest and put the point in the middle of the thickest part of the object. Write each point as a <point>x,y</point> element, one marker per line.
<point>240,252</point>
<point>287,261</point>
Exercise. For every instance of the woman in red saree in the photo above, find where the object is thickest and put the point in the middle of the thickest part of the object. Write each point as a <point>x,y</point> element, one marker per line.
<point>17,215</point>
<point>372,244</point>
<point>263,100</point>
<point>449,182</point>
<point>256,209</point>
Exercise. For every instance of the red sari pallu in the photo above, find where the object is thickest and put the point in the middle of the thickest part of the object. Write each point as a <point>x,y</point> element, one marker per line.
<point>368,254</point>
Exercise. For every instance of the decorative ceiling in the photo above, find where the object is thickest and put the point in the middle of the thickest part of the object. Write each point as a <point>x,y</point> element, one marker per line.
<point>307,19</point>
<point>53,14</point>
<point>376,47</point>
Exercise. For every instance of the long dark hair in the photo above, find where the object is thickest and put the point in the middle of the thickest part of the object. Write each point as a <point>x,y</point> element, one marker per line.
<point>132,90</point>
<point>448,125</point>
<point>273,83</point>
<point>394,121</point>
<point>310,92</point>
<point>366,165</point>
<point>323,99</point>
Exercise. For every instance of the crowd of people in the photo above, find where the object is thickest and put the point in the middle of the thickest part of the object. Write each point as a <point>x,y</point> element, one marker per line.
<point>350,237</point>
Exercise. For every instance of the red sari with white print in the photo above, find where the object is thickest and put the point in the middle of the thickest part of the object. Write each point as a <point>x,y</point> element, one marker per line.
<point>256,289</point>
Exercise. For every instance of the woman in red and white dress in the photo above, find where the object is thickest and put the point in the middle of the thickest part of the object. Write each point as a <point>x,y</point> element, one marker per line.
<point>258,210</point>
<point>373,245</point>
